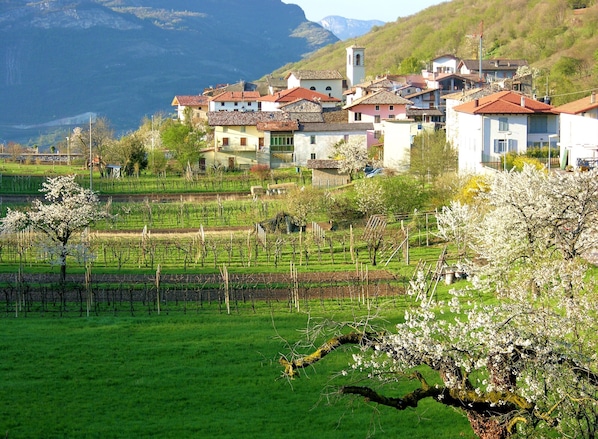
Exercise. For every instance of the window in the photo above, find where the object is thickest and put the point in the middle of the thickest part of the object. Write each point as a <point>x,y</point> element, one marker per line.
<point>225,129</point>
<point>225,141</point>
<point>243,141</point>
<point>242,129</point>
<point>377,107</point>
<point>357,117</point>
<point>236,104</point>
<point>312,140</point>
<point>391,116</point>
<point>501,146</point>
<point>377,134</point>
<point>358,59</point>
<point>222,104</point>
<point>538,124</point>
<point>328,88</point>
<point>312,156</point>
<point>391,108</point>
<point>260,143</point>
<point>249,104</point>
<point>312,88</point>
<point>282,142</point>
<point>503,124</point>
<point>377,118</point>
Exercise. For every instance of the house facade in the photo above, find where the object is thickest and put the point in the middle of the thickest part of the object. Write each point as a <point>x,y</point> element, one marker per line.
<point>326,82</point>
<point>375,108</point>
<point>315,141</point>
<point>195,105</point>
<point>236,101</point>
<point>502,122</point>
<point>398,139</point>
<point>578,141</point>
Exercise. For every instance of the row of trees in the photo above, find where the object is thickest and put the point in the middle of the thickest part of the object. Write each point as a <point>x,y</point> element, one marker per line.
<point>522,365</point>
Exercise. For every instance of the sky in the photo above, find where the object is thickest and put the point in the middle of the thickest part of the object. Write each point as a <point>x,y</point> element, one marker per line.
<point>384,10</point>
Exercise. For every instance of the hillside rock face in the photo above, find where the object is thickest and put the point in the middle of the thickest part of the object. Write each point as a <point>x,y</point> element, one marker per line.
<point>345,28</point>
<point>124,59</point>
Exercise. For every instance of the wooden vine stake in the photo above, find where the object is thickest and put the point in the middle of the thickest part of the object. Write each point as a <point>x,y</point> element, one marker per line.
<point>225,281</point>
<point>88,287</point>
<point>158,274</point>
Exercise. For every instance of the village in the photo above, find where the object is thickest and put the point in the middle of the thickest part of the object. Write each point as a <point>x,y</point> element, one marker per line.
<point>486,108</point>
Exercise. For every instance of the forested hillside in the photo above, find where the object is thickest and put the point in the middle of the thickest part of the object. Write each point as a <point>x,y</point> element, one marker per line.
<point>557,37</point>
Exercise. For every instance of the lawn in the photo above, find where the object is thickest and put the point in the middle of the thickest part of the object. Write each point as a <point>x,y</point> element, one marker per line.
<point>203,374</point>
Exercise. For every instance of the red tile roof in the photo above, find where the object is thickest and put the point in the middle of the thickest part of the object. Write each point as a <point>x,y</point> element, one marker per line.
<point>579,106</point>
<point>190,101</point>
<point>505,102</point>
<point>237,96</point>
<point>292,94</point>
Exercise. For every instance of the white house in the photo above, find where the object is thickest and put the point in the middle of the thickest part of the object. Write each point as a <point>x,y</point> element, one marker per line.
<point>326,82</point>
<point>579,132</point>
<point>315,141</point>
<point>491,126</point>
<point>398,139</point>
<point>236,101</point>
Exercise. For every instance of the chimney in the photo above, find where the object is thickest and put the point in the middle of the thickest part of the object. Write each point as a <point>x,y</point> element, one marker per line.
<point>476,103</point>
<point>593,98</point>
<point>523,101</point>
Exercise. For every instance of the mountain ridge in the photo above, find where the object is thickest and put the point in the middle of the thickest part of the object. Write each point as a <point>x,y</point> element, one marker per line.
<point>115,58</point>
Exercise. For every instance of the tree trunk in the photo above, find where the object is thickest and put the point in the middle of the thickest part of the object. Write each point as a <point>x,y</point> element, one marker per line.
<point>488,427</point>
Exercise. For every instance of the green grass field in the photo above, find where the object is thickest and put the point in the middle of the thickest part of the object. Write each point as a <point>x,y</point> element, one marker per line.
<point>204,375</point>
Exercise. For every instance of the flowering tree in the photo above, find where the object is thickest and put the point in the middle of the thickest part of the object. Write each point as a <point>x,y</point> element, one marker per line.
<point>69,208</point>
<point>352,155</point>
<point>525,365</point>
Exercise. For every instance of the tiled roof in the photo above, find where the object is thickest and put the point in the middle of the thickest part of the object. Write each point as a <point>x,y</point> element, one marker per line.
<point>334,127</point>
<point>505,102</point>
<point>190,101</point>
<point>323,164</point>
<point>315,74</point>
<point>292,94</point>
<point>287,125</point>
<point>421,111</point>
<point>381,97</point>
<point>237,96</point>
<point>494,64</point>
<point>421,93</point>
<point>244,118</point>
<point>579,106</point>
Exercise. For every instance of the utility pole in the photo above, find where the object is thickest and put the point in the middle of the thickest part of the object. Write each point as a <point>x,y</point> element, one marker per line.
<point>90,158</point>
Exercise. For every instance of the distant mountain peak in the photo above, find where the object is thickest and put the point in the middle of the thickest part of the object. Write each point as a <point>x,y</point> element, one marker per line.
<point>346,28</point>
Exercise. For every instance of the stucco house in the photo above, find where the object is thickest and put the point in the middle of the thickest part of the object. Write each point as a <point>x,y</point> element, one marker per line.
<point>398,140</point>
<point>376,107</point>
<point>501,122</point>
<point>237,137</point>
<point>326,82</point>
<point>315,141</point>
<point>492,69</point>
<point>198,105</point>
<point>236,101</point>
<point>579,132</point>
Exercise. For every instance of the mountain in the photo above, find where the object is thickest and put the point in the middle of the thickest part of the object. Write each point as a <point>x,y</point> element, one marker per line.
<point>123,59</point>
<point>558,38</point>
<point>345,28</point>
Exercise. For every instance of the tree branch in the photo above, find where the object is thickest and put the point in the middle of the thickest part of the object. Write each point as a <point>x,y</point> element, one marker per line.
<point>290,367</point>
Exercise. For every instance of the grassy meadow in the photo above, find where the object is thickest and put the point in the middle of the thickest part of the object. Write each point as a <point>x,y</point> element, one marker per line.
<point>206,374</point>
<point>191,370</point>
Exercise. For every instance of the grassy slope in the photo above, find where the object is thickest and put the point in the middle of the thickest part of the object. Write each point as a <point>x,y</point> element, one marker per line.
<point>540,31</point>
